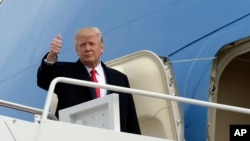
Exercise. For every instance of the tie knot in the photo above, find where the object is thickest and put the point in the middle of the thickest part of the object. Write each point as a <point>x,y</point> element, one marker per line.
<point>93,71</point>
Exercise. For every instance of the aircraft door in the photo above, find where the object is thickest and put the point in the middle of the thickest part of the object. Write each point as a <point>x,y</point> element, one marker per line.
<point>147,71</point>
<point>230,81</point>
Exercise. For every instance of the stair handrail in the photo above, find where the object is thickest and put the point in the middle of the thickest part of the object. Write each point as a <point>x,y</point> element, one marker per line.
<point>130,91</point>
<point>25,108</point>
<point>136,92</point>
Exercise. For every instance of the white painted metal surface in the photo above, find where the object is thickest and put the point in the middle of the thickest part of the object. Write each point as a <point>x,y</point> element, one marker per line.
<point>101,112</point>
<point>19,130</point>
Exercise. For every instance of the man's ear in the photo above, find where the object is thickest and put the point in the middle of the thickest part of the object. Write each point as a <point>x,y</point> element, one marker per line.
<point>76,49</point>
<point>102,46</point>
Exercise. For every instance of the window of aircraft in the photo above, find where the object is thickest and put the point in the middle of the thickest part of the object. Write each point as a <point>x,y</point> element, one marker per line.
<point>1,1</point>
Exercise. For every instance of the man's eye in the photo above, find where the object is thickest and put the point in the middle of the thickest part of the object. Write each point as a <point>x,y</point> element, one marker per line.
<point>91,44</point>
<point>82,45</point>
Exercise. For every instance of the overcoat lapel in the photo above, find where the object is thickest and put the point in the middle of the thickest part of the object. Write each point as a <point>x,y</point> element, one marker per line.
<point>83,74</point>
<point>108,76</point>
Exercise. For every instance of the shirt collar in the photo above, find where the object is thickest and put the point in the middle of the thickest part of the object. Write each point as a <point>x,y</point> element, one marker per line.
<point>98,69</point>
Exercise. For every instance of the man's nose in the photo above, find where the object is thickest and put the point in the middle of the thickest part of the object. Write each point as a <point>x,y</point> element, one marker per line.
<point>87,47</point>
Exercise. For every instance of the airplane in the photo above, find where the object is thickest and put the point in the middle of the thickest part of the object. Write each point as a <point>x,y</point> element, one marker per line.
<point>205,43</point>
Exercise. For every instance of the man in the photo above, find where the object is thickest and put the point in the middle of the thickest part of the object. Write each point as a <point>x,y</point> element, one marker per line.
<point>89,47</point>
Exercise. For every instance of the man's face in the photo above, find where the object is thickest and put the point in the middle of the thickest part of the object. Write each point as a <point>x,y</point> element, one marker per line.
<point>89,49</point>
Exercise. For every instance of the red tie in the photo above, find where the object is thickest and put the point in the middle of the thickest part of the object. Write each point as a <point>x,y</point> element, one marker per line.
<point>93,77</point>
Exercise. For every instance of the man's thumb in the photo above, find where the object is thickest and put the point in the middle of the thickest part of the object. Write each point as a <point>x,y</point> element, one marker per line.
<point>59,36</point>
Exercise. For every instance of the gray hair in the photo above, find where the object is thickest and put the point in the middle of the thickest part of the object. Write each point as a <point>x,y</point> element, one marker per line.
<point>89,31</point>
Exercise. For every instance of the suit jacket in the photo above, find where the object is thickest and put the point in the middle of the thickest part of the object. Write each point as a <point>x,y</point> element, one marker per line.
<point>70,95</point>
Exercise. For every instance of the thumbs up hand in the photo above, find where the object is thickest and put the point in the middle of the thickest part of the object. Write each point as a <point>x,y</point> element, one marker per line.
<point>55,48</point>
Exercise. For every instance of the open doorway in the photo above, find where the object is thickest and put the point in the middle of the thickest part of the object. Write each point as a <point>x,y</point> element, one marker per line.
<point>230,84</point>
